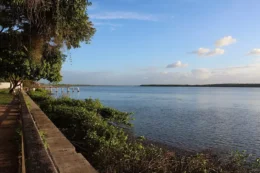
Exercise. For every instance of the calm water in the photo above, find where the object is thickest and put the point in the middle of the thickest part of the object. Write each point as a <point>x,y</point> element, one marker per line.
<point>189,118</point>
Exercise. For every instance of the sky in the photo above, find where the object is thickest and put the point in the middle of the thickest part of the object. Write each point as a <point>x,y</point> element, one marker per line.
<point>169,42</point>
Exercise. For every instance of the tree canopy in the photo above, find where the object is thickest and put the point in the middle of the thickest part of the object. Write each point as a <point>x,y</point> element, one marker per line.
<point>17,67</point>
<point>32,33</point>
<point>61,21</point>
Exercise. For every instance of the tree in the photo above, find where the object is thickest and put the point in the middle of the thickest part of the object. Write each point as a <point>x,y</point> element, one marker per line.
<point>32,33</point>
<point>63,22</point>
<point>17,67</point>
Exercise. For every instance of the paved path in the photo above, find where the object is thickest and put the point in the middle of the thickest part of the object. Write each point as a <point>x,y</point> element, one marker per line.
<point>8,145</point>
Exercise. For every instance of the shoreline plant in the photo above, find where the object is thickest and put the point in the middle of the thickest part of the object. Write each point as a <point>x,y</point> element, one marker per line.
<point>87,124</point>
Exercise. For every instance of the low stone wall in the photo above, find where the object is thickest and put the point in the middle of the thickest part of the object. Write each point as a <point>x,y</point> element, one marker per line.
<point>36,156</point>
<point>56,153</point>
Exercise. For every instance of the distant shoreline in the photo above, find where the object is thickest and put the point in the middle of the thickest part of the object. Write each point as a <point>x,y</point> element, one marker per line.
<point>78,85</point>
<point>206,85</point>
<point>156,85</point>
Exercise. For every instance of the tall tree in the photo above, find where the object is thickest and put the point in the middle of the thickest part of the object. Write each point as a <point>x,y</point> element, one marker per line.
<point>32,33</point>
<point>17,67</point>
<point>64,22</point>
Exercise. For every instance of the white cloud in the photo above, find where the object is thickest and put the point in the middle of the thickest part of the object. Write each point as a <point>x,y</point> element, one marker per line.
<point>111,26</point>
<point>201,51</point>
<point>107,24</point>
<point>255,52</point>
<point>225,41</point>
<point>201,73</point>
<point>236,74</point>
<point>207,52</point>
<point>216,51</point>
<point>123,15</point>
<point>177,64</point>
<point>239,70</point>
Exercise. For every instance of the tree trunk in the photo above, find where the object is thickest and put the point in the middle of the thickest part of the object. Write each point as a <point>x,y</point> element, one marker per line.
<point>11,91</point>
<point>13,86</point>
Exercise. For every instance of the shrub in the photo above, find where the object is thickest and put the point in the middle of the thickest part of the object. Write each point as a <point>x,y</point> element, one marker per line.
<point>87,124</point>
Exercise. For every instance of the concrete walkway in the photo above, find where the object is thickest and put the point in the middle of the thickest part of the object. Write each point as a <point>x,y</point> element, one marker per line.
<point>8,145</point>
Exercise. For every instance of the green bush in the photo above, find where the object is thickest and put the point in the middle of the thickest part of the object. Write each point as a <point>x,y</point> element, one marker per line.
<point>39,95</point>
<point>87,124</point>
<point>114,115</point>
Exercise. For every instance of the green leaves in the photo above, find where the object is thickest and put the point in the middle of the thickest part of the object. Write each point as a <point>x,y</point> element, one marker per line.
<point>16,65</point>
<point>62,20</point>
<point>32,33</point>
<point>114,115</point>
<point>109,149</point>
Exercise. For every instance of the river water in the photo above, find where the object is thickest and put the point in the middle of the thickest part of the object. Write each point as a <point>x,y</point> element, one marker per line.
<point>191,118</point>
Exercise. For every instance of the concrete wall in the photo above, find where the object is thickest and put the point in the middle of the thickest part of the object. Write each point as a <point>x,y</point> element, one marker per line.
<point>61,154</point>
<point>4,85</point>
<point>36,157</point>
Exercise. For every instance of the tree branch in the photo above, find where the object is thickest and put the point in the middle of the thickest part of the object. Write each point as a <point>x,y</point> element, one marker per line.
<point>25,48</point>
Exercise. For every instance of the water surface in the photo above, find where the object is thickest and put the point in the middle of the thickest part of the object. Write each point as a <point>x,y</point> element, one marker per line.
<point>190,118</point>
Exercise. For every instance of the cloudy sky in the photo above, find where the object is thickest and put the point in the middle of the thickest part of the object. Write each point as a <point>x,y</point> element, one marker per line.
<point>169,42</point>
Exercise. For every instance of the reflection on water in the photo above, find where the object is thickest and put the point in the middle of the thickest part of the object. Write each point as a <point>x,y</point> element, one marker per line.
<point>189,118</point>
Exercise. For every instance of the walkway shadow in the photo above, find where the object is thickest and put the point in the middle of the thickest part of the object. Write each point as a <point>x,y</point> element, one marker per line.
<point>12,109</point>
<point>9,115</point>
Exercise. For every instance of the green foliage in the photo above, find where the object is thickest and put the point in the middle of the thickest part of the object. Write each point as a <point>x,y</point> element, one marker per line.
<point>30,84</point>
<point>239,158</point>
<point>5,97</point>
<point>28,104</point>
<point>43,137</point>
<point>256,164</point>
<point>32,33</point>
<point>114,115</point>
<point>87,125</point>
<point>16,66</point>
<point>36,22</point>
<point>40,95</point>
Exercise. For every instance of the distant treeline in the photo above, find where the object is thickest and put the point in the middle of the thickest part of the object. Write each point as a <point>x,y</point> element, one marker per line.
<point>63,85</point>
<point>74,85</point>
<point>70,85</point>
<point>206,85</point>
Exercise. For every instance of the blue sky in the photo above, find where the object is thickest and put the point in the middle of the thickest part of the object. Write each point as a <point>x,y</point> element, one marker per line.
<point>169,42</point>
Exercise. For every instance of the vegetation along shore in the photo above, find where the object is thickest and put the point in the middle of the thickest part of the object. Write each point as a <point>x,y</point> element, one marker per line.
<point>87,124</point>
<point>206,85</point>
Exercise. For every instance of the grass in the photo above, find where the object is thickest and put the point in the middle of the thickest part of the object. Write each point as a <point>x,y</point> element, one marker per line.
<point>5,97</point>
<point>28,103</point>
<point>43,137</point>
